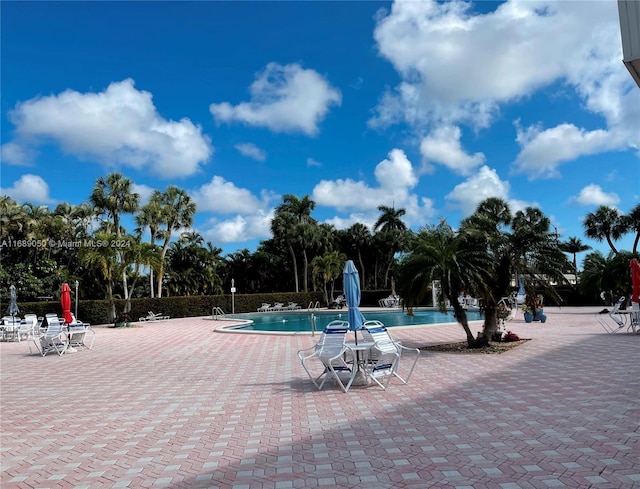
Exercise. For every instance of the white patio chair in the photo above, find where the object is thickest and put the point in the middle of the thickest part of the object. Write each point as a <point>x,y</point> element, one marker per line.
<point>152,316</point>
<point>264,307</point>
<point>385,356</point>
<point>53,339</point>
<point>77,333</point>
<point>614,315</point>
<point>334,356</point>
<point>27,328</point>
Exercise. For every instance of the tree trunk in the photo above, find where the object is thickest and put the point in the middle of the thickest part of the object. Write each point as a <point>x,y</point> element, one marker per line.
<point>305,268</point>
<point>461,317</point>
<point>111,311</point>
<point>151,284</point>
<point>490,321</point>
<point>326,294</point>
<point>363,281</point>
<point>295,267</point>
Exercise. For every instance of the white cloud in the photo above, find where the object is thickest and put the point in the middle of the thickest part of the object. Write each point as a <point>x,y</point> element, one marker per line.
<point>395,177</point>
<point>544,150</point>
<point>594,195</point>
<point>240,228</point>
<point>252,151</point>
<point>119,126</point>
<point>283,99</point>
<point>144,191</point>
<point>457,68</point>
<point>29,188</point>
<point>224,197</point>
<point>443,146</point>
<point>312,162</point>
<point>13,153</point>
<point>484,184</point>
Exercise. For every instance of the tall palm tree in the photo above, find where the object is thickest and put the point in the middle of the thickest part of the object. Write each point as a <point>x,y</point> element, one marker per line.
<point>300,210</point>
<point>178,211</point>
<point>359,237</point>
<point>151,216</point>
<point>456,260</point>
<point>574,246</point>
<point>632,222</point>
<point>113,195</point>
<point>605,223</point>
<point>283,229</point>
<point>392,229</point>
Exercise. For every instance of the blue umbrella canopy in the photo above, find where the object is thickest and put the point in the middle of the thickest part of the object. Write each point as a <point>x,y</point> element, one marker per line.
<point>351,285</point>
<point>13,301</point>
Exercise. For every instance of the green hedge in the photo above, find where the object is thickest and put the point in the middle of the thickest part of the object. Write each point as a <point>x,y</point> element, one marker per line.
<point>95,312</point>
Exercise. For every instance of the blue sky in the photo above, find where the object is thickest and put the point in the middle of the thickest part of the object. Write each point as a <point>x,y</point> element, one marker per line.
<point>431,107</point>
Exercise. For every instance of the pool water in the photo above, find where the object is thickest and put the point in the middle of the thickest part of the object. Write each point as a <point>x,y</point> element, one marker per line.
<point>292,322</point>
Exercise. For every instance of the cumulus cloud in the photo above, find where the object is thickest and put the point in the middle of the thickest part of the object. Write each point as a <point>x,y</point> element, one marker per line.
<point>594,195</point>
<point>484,184</point>
<point>457,69</point>
<point>29,188</point>
<point>119,126</point>
<point>144,191</point>
<point>395,177</point>
<point>222,196</point>
<point>239,228</point>
<point>252,151</point>
<point>286,98</point>
<point>13,153</point>
<point>443,146</point>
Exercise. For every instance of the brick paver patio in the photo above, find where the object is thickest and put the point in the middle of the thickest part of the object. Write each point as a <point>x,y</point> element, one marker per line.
<point>173,404</point>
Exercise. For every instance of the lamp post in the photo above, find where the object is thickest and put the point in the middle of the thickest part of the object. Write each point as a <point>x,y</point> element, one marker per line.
<point>233,291</point>
<point>76,284</point>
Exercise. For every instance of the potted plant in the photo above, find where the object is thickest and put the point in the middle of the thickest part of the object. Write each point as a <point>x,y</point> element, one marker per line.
<point>528,312</point>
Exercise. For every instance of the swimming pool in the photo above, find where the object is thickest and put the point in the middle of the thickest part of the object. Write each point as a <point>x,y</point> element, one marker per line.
<point>295,322</point>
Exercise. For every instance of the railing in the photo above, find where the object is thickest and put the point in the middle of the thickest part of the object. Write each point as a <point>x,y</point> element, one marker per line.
<point>313,324</point>
<point>312,306</point>
<point>217,312</point>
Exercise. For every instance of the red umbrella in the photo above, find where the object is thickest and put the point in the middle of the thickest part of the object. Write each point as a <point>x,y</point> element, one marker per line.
<point>635,280</point>
<point>65,302</point>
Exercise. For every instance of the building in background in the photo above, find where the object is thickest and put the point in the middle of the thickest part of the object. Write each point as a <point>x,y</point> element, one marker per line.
<point>629,12</point>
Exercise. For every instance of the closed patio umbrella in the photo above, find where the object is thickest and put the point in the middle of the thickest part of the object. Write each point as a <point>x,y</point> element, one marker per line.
<point>351,285</point>
<point>13,308</point>
<point>635,280</point>
<point>65,302</point>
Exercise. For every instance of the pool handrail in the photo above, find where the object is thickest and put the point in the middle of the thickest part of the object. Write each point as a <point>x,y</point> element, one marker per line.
<point>217,312</point>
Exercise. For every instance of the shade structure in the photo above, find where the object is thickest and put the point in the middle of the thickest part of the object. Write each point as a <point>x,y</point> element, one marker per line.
<point>635,280</point>
<point>13,308</point>
<point>65,302</point>
<point>351,285</point>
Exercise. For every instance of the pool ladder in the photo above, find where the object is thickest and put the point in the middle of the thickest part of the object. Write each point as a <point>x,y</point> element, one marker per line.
<point>217,312</point>
<point>312,306</point>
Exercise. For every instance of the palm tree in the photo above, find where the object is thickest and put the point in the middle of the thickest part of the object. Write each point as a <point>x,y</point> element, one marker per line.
<point>632,222</point>
<point>391,228</point>
<point>605,223</point>
<point>151,215</point>
<point>359,237</point>
<point>328,267</point>
<point>113,196</point>
<point>178,210</point>
<point>105,259</point>
<point>574,246</point>
<point>290,227</point>
<point>456,260</point>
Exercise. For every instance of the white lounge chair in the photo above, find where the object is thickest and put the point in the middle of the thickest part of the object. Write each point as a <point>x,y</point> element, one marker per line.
<point>77,332</point>
<point>151,316</point>
<point>333,355</point>
<point>614,316</point>
<point>264,307</point>
<point>385,355</point>
<point>278,306</point>
<point>293,306</point>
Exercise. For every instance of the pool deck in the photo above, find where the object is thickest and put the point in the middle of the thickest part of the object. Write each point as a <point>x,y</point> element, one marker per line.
<point>173,404</point>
